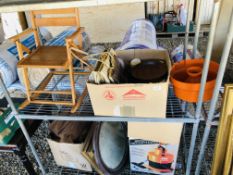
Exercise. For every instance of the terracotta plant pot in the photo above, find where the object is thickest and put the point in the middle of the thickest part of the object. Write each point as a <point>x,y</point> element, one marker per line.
<point>186,78</point>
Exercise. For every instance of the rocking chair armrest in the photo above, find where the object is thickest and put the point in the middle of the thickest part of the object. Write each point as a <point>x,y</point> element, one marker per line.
<point>75,34</point>
<point>18,36</point>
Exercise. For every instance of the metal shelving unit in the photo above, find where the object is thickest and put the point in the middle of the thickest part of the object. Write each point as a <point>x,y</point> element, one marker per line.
<point>174,106</point>
<point>85,113</point>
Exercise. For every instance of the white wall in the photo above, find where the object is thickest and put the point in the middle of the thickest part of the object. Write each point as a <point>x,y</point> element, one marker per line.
<point>106,23</point>
<point>207,8</point>
<point>222,28</point>
<point>1,33</point>
<point>13,23</point>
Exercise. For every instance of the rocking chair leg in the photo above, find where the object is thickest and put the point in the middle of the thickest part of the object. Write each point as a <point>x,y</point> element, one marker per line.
<point>24,104</point>
<point>79,102</point>
<point>25,70</point>
<point>72,84</point>
<point>27,83</point>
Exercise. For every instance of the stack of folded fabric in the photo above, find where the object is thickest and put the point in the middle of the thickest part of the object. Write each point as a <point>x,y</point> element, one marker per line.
<point>109,69</point>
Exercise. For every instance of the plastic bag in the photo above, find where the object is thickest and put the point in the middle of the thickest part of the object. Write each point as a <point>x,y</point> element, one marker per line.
<point>182,15</point>
<point>177,53</point>
<point>141,35</point>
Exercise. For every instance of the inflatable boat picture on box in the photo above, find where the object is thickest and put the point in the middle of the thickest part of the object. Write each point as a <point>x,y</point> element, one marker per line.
<point>153,147</point>
<point>152,157</point>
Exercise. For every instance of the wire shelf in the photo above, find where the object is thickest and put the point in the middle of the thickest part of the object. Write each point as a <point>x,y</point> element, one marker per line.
<point>34,111</point>
<point>175,110</point>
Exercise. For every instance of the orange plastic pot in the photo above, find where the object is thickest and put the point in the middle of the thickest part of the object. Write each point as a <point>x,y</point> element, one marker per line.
<point>186,78</point>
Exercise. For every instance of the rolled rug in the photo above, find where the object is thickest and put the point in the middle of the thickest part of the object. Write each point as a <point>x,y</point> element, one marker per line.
<point>8,62</point>
<point>35,75</point>
<point>16,90</point>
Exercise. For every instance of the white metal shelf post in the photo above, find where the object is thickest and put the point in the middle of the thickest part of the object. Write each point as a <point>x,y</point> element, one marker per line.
<point>187,28</point>
<point>219,79</point>
<point>203,82</point>
<point>23,128</point>
<point>198,27</point>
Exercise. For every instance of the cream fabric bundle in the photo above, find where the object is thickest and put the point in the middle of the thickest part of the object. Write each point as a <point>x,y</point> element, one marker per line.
<point>108,69</point>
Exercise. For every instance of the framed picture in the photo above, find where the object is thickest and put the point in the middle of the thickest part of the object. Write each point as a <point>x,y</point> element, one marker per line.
<point>223,153</point>
<point>228,165</point>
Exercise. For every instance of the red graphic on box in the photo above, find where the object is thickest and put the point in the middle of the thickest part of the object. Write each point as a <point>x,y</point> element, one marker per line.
<point>109,95</point>
<point>134,95</point>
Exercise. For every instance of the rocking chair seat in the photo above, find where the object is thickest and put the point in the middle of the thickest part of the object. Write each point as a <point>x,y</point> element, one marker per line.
<point>46,57</point>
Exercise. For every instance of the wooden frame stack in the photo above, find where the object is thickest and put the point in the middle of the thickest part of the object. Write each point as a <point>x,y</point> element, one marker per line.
<point>223,153</point>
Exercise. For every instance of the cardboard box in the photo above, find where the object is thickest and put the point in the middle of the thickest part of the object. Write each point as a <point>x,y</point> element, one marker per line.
<point>145,140</point>
<point>140,100</point>
<point>69,155</point>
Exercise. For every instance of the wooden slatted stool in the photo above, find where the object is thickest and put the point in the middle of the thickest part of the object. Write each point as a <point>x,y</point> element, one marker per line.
<point>52,57</point>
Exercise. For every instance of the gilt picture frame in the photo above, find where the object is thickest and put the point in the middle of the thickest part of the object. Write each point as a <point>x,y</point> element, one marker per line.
<point>222,161</point>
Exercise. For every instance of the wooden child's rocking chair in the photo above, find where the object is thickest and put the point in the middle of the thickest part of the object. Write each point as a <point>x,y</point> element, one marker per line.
<point>52,57</point>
